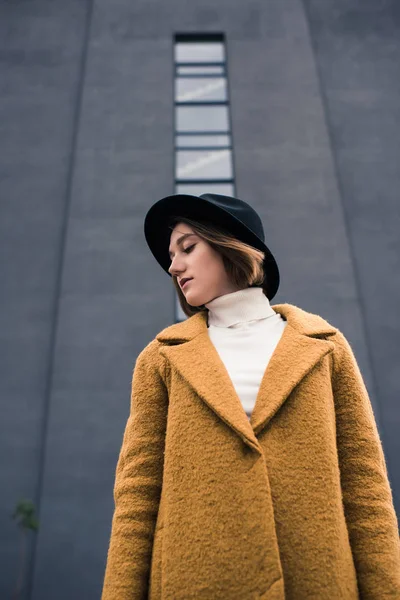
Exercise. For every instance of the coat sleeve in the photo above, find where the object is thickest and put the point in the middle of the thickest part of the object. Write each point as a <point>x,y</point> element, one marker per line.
<point>366,492</point>
<point>138,481</point>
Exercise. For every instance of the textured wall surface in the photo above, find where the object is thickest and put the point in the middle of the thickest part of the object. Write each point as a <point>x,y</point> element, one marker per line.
<point>87,146</point>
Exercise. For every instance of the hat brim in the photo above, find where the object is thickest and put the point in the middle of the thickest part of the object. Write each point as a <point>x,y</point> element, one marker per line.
<point>158,233</point>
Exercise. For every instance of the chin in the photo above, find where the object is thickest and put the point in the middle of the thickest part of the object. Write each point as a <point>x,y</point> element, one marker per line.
<point>194,300</point>
<point>194,303</point>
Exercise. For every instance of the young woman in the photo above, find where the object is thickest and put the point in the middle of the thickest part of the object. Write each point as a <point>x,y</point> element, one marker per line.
<point>251,465</point>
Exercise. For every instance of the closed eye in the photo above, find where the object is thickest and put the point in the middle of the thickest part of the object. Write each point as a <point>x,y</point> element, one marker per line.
<point>189,248</point>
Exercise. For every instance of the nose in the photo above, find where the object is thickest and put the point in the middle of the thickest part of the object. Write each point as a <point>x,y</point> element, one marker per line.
<point>175,267</point>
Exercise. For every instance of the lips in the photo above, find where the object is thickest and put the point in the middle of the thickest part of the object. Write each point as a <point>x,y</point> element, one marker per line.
<point>185,281</point>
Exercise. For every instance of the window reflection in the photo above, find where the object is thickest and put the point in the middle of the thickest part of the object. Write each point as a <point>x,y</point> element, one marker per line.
<point>199,52</point>
<point>200,71</point>
<point>183,141</point>
<point>201,118</point>
<point>209,164</point>
<point>201,88</point>
<point>203,188</point>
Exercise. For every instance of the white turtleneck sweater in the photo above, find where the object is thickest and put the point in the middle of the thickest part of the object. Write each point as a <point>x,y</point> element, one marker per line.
<point>245,331</point>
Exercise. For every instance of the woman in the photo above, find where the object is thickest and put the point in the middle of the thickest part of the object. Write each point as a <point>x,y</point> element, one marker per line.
<point>236,481</point>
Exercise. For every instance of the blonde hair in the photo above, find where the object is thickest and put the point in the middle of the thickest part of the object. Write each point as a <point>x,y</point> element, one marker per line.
<point>243,263</point>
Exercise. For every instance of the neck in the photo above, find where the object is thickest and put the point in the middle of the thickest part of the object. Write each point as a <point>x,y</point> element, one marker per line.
<point>242,306</point>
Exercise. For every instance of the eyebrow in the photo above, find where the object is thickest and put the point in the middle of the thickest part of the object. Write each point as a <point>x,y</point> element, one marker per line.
<point>180,240</point>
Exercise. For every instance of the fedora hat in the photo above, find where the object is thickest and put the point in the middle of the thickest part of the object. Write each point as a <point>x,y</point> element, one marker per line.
<point>231,214</point>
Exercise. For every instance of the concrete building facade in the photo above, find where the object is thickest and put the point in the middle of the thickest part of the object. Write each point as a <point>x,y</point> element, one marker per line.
<point>87,145</point>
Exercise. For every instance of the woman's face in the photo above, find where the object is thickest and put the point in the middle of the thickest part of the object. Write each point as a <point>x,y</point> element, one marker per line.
<point>194,258</point>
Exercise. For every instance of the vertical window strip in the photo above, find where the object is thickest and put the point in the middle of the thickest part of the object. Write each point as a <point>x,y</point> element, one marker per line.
<point>202,138</point>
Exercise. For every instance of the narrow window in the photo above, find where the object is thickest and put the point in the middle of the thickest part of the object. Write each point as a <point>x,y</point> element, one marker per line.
<point>203,138</point>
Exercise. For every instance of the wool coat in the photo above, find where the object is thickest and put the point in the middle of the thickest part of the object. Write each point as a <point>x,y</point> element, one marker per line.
<point>293,504</point>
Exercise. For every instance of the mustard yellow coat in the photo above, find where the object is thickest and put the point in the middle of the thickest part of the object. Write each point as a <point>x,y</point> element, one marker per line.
<point>294,504</point>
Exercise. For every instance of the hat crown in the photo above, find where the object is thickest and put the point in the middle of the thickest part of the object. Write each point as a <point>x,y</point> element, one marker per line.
<point>238,209</point>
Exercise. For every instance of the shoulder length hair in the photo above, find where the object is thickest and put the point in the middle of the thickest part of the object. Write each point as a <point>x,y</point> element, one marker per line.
<point>243,263</point>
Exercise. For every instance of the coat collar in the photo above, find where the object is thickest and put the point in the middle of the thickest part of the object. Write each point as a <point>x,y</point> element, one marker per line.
<point>188,348</point>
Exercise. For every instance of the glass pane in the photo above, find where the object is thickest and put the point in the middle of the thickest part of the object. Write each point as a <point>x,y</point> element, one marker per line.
<point>197,89</point>
<point>199,52</point>
<point>201,118</point>
<point>205,188</point>
<point>203,140</point>
<point>217,70</point>
<point>203,164</point>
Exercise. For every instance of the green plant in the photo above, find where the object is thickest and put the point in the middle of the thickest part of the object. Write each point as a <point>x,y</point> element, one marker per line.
<point>24,514</point>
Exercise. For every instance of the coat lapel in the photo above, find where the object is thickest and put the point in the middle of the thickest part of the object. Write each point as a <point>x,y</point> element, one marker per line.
<point>189,350</point>
<point>200,365</point>
<point>294,357</point>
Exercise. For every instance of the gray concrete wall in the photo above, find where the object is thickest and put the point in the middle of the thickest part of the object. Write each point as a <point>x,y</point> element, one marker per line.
<point>87,146</point>
<point>41,48</point>
<point>357,56</point>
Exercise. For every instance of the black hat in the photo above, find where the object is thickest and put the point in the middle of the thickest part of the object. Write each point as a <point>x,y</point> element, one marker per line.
<point>231,214</point>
